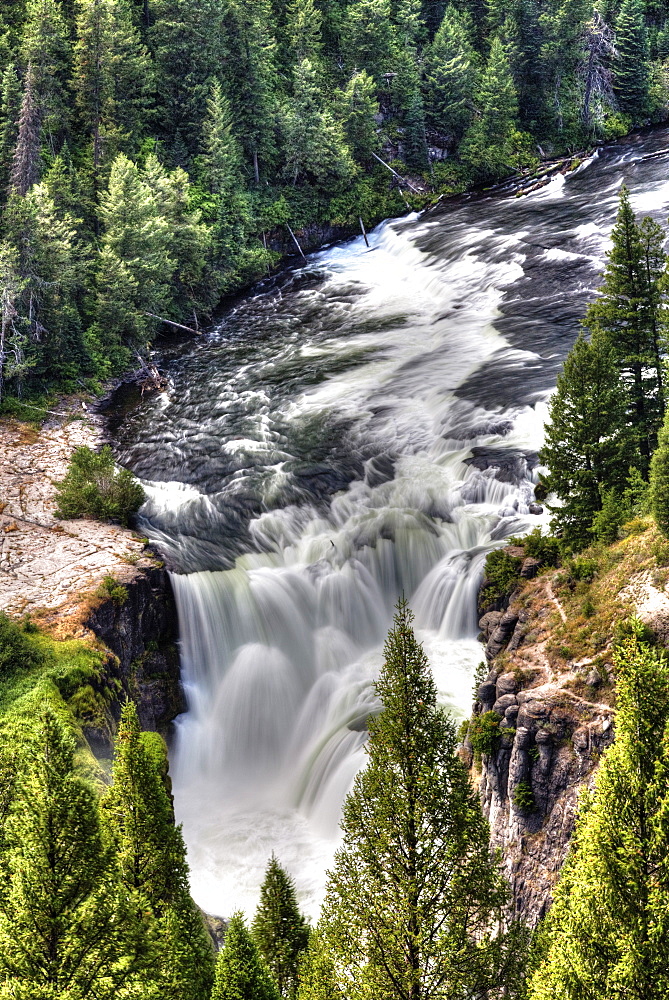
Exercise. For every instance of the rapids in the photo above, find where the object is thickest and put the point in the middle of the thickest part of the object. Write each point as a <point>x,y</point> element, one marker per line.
<point>363,425</point>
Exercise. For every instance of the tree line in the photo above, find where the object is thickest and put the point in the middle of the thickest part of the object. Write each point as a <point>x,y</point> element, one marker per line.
<point>149,147</point>
<point>607,439</point>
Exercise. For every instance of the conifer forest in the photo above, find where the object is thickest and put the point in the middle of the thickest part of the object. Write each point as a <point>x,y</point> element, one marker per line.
<point>334,500</point>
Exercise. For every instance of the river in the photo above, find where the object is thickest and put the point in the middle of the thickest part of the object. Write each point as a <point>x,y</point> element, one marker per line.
<point>361,426</point>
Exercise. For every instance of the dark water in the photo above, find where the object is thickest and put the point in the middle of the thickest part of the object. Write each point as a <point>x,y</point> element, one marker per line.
<point>364,425</point>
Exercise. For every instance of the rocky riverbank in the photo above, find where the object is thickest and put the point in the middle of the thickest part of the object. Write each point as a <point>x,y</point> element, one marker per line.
<point>83,579</point>
<point>545,711</point>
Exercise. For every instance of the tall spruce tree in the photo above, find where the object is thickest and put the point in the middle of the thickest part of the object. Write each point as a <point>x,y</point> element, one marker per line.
<point>450,77</point>
<point>625,317</point>
<point>64,927</point>
<point>47,49</point>
<point>488,145</point>
<point>26,160</point>
<point>240,971</point>
<point>630,64</point>
<point>152,863</point>
<point>357,108</point>
<point>607,935</point>
<point>414,892</point>
<point>279,930</point>
<point>587,446</point>
<point>10,107</point>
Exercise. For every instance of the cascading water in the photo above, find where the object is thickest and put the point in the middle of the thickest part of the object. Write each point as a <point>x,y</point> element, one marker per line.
<point>362,427</point>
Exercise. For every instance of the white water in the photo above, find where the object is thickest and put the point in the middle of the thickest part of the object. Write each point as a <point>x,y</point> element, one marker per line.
<point>442,339</point>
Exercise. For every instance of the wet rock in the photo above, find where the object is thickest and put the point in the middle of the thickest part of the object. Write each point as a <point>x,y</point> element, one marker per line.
<point>536,508</point>
<point>489,622</point>
<point>530,568</point>
<point>501,635</point>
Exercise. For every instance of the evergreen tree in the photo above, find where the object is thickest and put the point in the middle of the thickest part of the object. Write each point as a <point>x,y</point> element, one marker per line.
<point>279,930</point>
<point>368,38</point>
<point>488,145</point>
<point>152,862</point>
<point>112,77</point>
<point>10,108</point>
<point>64,930</point>
<point>414,892</point>
<point>134,266</point>
<point>630,65</point>
<point>317,973</point>
<point>450,77</point>
<point>304,31</point>
<point>240,972</point>
<point>357,108</point>
<point>251,81</point>
<point>625,317</point>
<point>46,48</point>
<point>587,448</point>
<point>25,162</point>
<point>13,339</point>
<point>220,163</point>
<point>314,147</point>
<point>659,480</point>
<point>606,936</point>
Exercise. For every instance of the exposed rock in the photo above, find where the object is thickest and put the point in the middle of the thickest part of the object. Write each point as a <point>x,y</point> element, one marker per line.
<point>489,622</point>
<point>487,695</point>
<point>507,684</point>
<point>501,635</point>
<point>503,703</point>
<point>530,567</point>
<point>594,678</point>
<point>535,508</point>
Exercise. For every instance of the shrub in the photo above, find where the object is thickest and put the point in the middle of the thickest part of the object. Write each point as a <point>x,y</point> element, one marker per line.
<point>484,732</point>
<point>522,796</point>
<point>110,587</point>
<point>17,649</point>
<point>95,487</point>
<point>543,547</point>
<point>581,569</point>
<point>502,572</point>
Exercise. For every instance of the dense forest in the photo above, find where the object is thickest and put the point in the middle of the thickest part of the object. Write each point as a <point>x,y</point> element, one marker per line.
<point>150,150</point>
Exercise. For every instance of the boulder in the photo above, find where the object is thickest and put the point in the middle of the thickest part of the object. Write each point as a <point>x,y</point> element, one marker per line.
<point>506,701</point>
<point>530,568</point>
<point>489,623</point>
<point>536,508</point>
<point>506,684</point>
<point>501,634</point>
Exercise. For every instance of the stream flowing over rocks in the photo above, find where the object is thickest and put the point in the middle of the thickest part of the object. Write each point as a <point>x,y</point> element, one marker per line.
<point>364,425</point>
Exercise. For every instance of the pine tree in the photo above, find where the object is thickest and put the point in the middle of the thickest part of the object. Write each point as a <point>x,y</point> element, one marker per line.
<point>314,147</point>
<point>64,930</point>
<point>450,77</point>
<point>659,480</point>
<point>367,38</point>
<point>220,163</point>
<point>606,936</point>
<point>279,930</point>
<point>134,267</point>
<point>488,145</point>
<point>46,48</point>
<point>13,338</point>
<point>414,891</point>
<point>251,82</point>
<point>25,162</point>
<point>112,78</point>
<point>357,108</point>
<point>304,31</point>
<point>10,108</point>
<point>587,448</point>
<point>625,317</point>
<point>152,862</point>
<point>630,65</point>
<point>240,972</point>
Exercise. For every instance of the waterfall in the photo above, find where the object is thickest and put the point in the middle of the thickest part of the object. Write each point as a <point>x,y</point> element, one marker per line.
<point>364,426</point>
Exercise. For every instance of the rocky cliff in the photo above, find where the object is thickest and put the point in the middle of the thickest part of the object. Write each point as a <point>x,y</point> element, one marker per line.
<point>544,709</point>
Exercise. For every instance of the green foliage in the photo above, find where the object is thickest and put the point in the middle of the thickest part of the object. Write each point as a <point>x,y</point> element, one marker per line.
<point>523,797</point>
<point>110,587</point>
<point>151,857</point>
<point>484,734</point>
<point>279,930</point>
<point>540,546</point>
<point>413,893</point>
<point>605,936</point>
<point>502,572</point>
<point>659,480</point>
<point>240,972</point>
<point>18,649</point>
<point>94,487</point>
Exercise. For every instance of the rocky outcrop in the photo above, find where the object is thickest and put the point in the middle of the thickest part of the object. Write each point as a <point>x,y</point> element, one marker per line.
<point>140,632</point>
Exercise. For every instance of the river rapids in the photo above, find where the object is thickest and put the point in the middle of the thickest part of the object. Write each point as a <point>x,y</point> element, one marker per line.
<point>362,426</point>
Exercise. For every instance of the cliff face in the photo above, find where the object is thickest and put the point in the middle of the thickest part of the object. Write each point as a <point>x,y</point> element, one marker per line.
<point>550,718</point>
<point>140,633</point>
